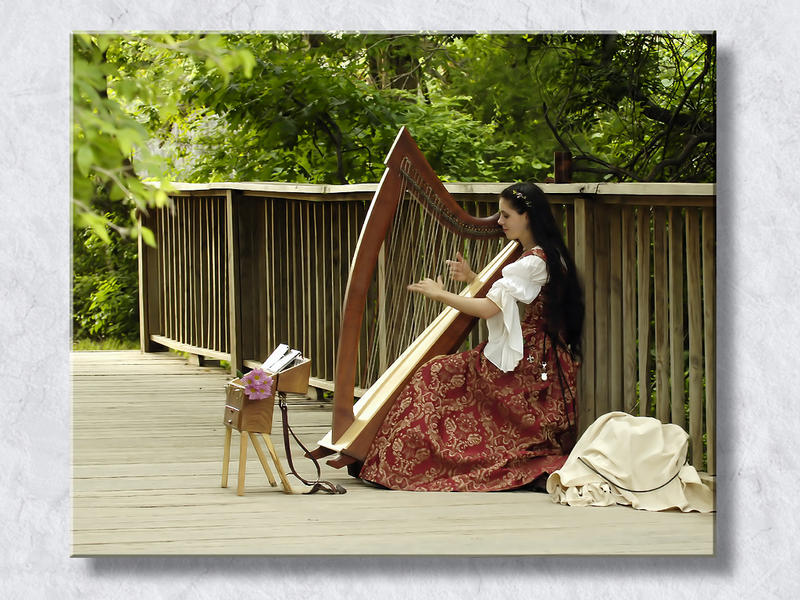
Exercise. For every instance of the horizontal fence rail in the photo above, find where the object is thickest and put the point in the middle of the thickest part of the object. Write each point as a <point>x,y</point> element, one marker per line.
<point>242,267</point>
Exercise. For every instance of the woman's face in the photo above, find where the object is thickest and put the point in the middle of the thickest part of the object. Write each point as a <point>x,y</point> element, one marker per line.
<point>514,224</point>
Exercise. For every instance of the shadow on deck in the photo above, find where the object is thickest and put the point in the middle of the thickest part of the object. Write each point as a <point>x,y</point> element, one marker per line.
<point>147,462</point>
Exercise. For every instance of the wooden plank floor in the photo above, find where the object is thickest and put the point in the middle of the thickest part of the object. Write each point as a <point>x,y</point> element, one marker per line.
<point>147,458</point>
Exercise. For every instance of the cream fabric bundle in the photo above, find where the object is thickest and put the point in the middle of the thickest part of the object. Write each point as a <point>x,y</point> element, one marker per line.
<point>638,453</point>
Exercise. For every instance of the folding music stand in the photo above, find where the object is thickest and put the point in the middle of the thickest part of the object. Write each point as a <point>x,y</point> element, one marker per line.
<point>250,417</point>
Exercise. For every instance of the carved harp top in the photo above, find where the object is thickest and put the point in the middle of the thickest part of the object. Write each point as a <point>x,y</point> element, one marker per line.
<point>413,224</point>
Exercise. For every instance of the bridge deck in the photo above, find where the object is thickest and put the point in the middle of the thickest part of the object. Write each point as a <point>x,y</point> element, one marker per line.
<point>147,459</point>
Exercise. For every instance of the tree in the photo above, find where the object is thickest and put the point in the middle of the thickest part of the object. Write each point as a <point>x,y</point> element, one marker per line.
<point>321,109</point>
<point>629,107</point>
<point>325,107</point>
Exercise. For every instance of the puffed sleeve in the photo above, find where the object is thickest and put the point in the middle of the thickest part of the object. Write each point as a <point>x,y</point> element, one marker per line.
<point>521,282</point>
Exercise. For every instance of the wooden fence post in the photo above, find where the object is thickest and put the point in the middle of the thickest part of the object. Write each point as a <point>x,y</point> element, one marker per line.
<point>144,286</point>
<point>149,290</point>
<point>584,261</point>
<point>709,241</point>
<point>234,290</point>
<point>643,295</point>
<point>694,294</point>
<point>676,316</point>
<point>629,304</point>
<point>616,386</point>
<point>661,313</point>
<point>600,256</point>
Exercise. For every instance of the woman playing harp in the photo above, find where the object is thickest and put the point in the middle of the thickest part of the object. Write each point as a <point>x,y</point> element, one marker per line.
<point>502,415</point>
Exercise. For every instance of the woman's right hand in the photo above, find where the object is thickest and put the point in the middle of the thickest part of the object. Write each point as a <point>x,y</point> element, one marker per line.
<point>460,270</point>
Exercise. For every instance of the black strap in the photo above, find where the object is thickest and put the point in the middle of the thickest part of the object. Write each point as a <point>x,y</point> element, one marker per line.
<point>317,485</point>
<point>586,464</point>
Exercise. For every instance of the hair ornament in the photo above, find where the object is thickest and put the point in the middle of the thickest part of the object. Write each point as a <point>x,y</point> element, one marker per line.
<point>522,197</point>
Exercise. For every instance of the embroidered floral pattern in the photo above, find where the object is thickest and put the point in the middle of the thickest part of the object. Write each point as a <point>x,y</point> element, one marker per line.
<point>462,424</point>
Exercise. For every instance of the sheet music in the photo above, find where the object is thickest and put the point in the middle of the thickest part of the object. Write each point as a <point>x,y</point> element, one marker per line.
<point>285,361</point>
<point>279,352</point>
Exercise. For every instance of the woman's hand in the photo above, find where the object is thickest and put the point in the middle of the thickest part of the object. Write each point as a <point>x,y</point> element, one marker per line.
<point>428,288</point>
<point>459,269</point>
<point>477,307</point>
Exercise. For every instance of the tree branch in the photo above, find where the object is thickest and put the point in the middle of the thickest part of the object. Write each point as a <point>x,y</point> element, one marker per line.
<point>552,127</point>
<point>609,168</point>
<point>597,171</point>
<point>679,158</point>
<point>645,150</point>
<point>584,156</point>
<point>701,76</point>
<point>333,131</point>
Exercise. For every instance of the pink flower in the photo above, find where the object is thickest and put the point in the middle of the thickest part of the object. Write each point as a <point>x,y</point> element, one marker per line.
<point>257,385</point>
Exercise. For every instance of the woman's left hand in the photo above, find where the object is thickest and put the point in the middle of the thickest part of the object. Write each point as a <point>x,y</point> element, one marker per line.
<point>428,288</point>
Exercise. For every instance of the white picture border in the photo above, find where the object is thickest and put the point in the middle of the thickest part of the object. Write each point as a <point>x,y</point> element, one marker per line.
<point>757,285</point>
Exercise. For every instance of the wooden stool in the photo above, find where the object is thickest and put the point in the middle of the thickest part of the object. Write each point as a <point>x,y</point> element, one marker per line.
<point>251,417</point>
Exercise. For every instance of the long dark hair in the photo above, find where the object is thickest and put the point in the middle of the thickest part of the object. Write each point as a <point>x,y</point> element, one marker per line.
<point>563,296</point>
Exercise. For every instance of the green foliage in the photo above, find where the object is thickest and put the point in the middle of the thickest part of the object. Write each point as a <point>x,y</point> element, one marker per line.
<point>325,108</point>
<point>105,281</point>
<point>628,106</point>
<point>313,113</point>
<point>115,108</point>
<point>110,307</point>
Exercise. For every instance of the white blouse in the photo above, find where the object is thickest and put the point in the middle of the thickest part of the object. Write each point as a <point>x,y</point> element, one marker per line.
<point>521,282</point>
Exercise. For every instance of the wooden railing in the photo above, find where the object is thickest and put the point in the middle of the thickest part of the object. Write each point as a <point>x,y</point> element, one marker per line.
<point>646,254</point>
<point>240,268</point>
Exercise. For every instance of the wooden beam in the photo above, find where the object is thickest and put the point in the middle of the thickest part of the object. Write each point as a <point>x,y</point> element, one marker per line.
<point>628,239</point>
<point>584,261</point>
<point>472,189</point>
<point>709,334</point>
<point>234,283</point>
<point>643,298</point>
<point>602,292</point>
<point>660,302</point>
<point>188,348</point>
<point>616,354</point>
<point>694,294</point>
<point>676,314</point>
<point>144,291</point>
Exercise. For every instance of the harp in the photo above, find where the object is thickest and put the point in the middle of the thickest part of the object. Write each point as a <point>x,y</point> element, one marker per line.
<point>413,225</point>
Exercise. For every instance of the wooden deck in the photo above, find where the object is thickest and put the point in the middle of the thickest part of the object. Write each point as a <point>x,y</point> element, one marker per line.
<point>147,459</point>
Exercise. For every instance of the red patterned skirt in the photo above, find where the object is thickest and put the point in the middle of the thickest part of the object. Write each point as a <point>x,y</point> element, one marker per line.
<point>462,424</point>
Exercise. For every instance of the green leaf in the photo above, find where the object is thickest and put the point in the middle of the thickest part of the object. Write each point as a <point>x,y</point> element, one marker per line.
<point>116,193</point>
<point>102,42</point>
<point>148,237</point>
<point>127,138</point>
<point>248,62</point>
<point>84,159</point>
<point>97,223</point>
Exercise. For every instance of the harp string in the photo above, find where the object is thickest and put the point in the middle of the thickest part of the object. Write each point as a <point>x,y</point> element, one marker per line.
<point>423,234</point>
